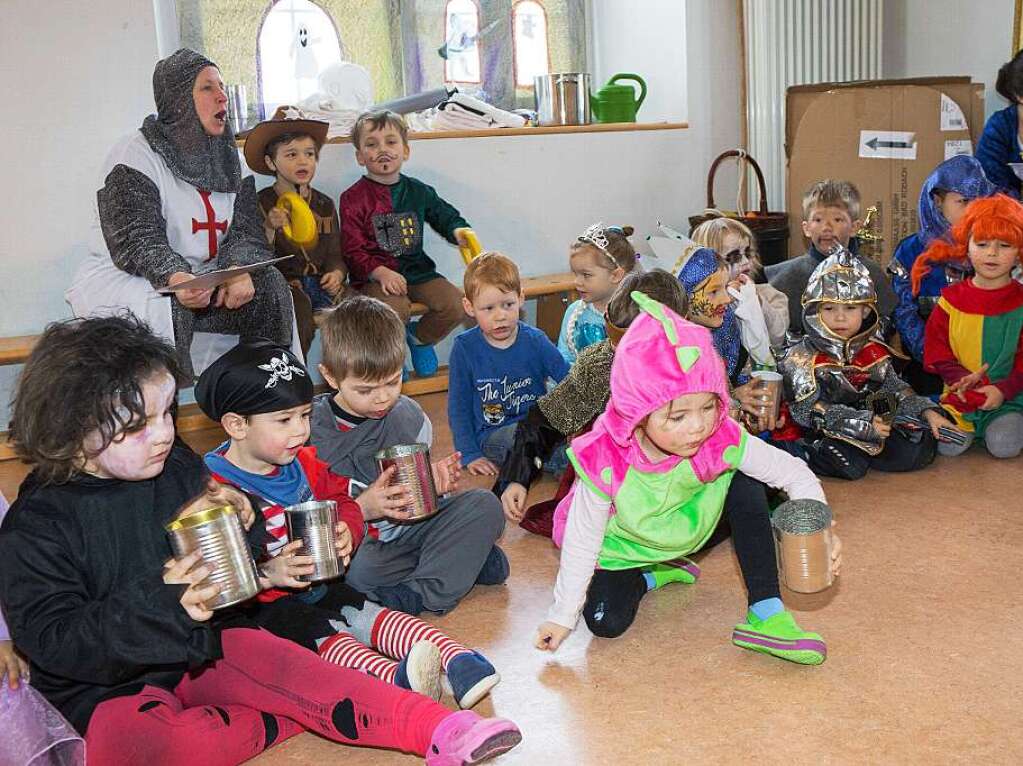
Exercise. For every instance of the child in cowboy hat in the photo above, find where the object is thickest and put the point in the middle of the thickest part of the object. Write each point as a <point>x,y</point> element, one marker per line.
<point>288,148</point>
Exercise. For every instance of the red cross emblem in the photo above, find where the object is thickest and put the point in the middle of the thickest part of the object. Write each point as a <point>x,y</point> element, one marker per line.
<point>211,225</point>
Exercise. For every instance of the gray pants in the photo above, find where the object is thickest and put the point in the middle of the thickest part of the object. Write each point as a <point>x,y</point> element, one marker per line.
<point>268,315</point>
<point>1003,438</point>
<point>439,558</point>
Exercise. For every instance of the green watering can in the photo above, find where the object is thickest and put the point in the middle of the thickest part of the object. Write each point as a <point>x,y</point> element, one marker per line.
<point>618,103</point>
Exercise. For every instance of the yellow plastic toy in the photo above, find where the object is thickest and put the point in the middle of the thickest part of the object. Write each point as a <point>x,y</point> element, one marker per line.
<point>471,250</point>
<point>302,230</point>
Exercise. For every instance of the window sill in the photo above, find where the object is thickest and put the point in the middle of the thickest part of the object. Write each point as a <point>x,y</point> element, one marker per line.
<point>597,127</point>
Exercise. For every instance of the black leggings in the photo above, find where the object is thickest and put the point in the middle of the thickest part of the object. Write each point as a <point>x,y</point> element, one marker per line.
<point>831,457</point>
<point>614,595</point>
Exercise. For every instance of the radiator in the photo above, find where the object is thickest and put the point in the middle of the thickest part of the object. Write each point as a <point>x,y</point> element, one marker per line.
<point>801,42</point>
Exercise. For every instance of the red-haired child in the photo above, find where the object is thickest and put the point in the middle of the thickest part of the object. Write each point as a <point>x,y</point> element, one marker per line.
<point>973,338</point>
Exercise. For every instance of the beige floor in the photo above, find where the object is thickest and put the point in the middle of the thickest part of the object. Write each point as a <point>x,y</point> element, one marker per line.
<point>924,663</point>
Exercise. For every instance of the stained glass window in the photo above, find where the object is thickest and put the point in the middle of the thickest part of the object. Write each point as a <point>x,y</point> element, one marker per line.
<point>529,22</point>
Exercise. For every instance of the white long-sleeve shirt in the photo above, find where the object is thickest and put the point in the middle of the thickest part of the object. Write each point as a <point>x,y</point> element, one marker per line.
<point>589,514</point>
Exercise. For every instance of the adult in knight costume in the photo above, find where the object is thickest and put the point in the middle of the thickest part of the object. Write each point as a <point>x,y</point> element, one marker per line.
<point>172,203</point>
<point>845,392</point>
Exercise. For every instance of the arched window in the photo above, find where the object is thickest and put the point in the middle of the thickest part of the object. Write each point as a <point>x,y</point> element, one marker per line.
<point>297,39</point>
<point>462,28</point>
<point>529,42</point>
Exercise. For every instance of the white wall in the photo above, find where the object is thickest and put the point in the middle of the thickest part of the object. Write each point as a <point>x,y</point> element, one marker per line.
<point>72,79</point>
<point>651,44</point>
<point>527,195</point>
<point>930,38</point>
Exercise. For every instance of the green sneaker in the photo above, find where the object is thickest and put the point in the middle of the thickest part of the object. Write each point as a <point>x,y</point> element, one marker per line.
<point>779,636</point>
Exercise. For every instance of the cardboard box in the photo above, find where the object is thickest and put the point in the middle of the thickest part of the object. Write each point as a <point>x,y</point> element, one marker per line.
<point>886,137</point>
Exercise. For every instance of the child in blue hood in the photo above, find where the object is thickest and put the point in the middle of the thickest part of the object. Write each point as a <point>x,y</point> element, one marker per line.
<point>943,199</point>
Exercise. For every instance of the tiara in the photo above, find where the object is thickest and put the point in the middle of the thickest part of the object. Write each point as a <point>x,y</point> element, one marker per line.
<point>596,235</point>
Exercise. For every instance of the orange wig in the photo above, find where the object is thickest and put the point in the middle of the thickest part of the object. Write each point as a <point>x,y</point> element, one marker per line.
<point>998,217</point>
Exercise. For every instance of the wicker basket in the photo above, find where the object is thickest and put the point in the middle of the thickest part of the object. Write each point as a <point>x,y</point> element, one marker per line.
<point>770,229</point>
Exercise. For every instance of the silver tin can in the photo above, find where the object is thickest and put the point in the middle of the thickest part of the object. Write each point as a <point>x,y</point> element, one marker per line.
<point>802,533</point>
<point>217,533</point>
<point>413,471</point>
<point>237,107</point>
<point>315,524</point>
<point>563,98</point>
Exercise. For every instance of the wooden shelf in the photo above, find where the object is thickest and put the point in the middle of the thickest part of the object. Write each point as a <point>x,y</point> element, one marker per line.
<point>597,127</point>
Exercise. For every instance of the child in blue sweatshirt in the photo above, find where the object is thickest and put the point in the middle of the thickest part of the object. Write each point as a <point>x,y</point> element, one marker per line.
<point>499,368</point>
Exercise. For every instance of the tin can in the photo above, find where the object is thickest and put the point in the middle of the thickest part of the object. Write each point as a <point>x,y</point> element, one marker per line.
<point>315,524</point>
<point>802,533</point>
<point>771,383</point>
<point>413,471</point>
<point>217,533</point>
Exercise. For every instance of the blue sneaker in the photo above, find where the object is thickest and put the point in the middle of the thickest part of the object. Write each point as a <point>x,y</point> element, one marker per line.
<point>424,358</point>
<point>495,568</point>
<point>471,677</point>
<point>420,670</point>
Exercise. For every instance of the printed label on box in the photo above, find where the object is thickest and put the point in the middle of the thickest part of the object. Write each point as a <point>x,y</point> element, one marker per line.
<point>887,145</point>
<point>952,117</point>
<point>955,148</point>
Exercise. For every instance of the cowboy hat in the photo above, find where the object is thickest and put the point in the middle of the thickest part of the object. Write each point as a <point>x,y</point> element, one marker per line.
<point>287,119</point>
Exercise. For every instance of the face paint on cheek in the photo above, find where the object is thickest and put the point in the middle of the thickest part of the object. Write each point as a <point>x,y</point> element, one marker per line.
<point>700,304</point>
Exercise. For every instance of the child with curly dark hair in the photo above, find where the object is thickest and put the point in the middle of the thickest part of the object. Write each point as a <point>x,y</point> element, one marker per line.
<point>117,631</point>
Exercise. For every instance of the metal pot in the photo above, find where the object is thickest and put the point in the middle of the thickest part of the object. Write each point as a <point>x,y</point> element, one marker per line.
<point>563,99</point>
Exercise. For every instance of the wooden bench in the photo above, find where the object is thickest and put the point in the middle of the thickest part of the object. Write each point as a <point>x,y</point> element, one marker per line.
<point>552,293</point>
<point>16,349</point>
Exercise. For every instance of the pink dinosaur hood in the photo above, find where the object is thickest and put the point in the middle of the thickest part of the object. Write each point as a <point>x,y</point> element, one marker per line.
<point>661,357</point>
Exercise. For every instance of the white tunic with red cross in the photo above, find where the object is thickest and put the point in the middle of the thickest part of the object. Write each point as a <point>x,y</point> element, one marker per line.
<point>197,222</point>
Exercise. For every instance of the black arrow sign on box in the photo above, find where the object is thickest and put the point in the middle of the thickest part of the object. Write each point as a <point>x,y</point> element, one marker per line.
<point>876,144</point>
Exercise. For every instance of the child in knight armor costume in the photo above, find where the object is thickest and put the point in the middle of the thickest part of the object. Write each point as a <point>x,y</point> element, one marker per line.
<point>842,386</point>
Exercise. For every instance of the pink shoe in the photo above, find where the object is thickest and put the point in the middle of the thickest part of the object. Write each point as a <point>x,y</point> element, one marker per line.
<point>466,738</point>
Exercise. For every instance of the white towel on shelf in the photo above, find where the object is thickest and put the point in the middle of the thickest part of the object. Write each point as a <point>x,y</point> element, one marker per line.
<point>339,120</point>
<point>462,112</point>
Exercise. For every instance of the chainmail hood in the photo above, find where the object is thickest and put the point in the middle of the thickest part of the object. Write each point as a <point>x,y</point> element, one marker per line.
<point>207,162</point>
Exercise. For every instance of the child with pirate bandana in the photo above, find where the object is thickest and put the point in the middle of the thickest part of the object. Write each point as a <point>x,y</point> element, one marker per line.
<point>262,396</point>
<point>842,386</point>
<point>382,218</point>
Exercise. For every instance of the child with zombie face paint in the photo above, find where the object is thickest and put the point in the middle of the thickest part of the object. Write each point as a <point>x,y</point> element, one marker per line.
<point>117,631</point>
<point>262,396</point>
<point>655,476</point>
<point>600,258</point>
<point>974,336</point>
<point>734,242</point>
